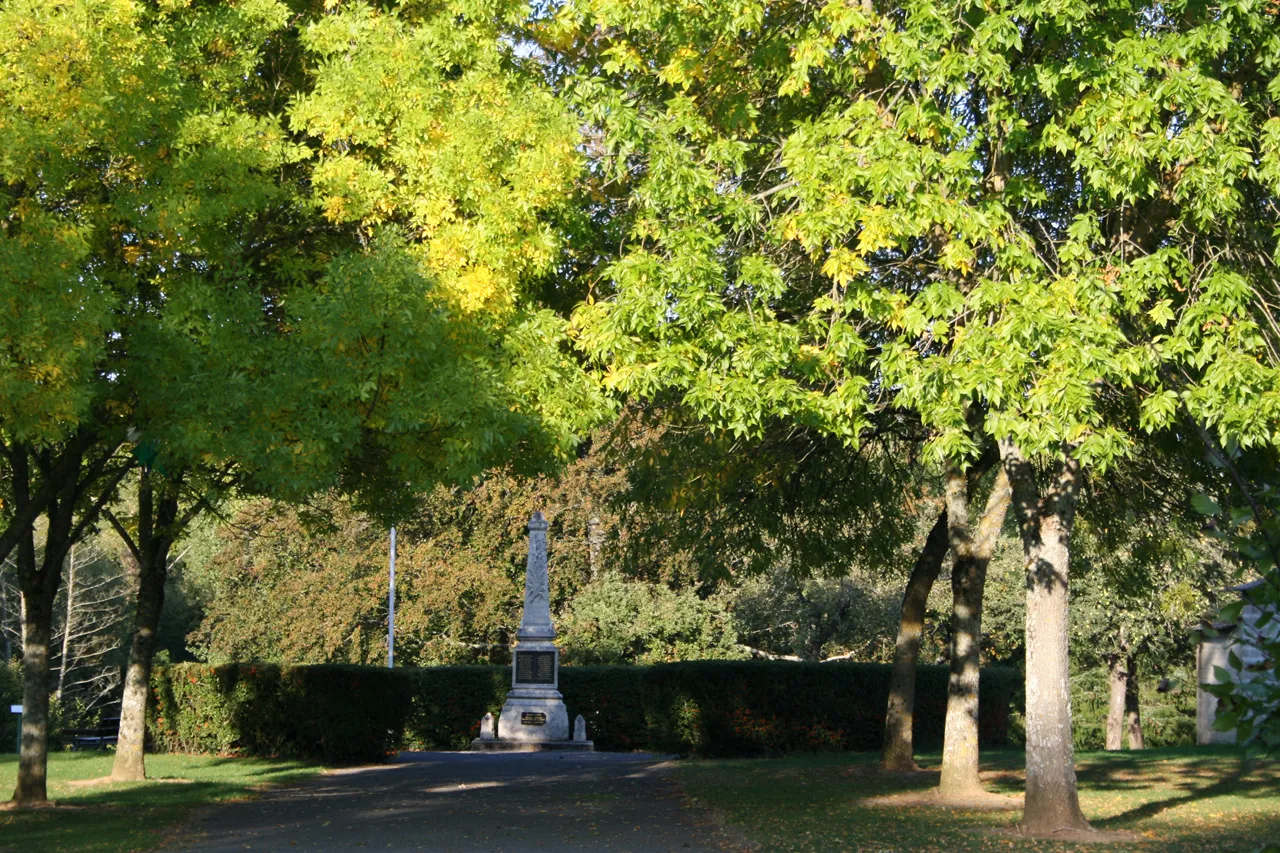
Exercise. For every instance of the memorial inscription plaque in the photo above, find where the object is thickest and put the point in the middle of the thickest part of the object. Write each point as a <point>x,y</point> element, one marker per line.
<point>535,667</point>
<point>533,718</point>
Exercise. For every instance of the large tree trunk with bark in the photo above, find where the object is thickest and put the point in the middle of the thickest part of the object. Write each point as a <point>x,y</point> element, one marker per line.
<point>129,764</point>
<point>39,579</point>
<point>37,619</point>
<point>38,592</point>
<point>150,551</point>
<point>968,578</point>
<point>1045,521</point>
<point>897,754</point>
<point>1117,680</point>
<point>960,738</point>
<point>1132,713</point>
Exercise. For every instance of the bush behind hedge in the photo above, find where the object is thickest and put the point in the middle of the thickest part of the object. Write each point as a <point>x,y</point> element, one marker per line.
<point>346,714</point>
<point>1168,718</point>
<point>10,694</point>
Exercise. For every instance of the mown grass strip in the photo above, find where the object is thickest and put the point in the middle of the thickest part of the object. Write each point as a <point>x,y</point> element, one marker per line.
<point>1182,800</point>
<point>120,817</point>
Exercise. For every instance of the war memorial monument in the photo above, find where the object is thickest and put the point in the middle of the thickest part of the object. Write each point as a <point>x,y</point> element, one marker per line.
<point>534,717</point>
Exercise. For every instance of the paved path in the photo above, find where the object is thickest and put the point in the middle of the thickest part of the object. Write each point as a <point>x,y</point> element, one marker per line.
<point>461,802</point>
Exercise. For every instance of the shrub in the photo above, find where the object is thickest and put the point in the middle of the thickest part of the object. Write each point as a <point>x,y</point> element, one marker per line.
<point>341,714</point>
<point>613,701</point>
<point>10,694</point>
<point>1168,719</point>
<point>612,620</point>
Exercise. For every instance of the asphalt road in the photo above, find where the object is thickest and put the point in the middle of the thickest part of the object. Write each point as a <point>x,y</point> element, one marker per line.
<point>445,802</point>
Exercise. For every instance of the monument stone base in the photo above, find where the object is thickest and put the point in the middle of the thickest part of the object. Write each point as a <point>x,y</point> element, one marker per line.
<point>533,724</point>
<point>482,745</point>
<point>533,716</point>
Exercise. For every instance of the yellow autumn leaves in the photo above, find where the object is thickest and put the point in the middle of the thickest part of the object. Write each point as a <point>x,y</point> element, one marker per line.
<point>424,131</point>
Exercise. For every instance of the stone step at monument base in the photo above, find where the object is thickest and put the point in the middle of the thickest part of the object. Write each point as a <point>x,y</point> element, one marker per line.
<point>496,745</point>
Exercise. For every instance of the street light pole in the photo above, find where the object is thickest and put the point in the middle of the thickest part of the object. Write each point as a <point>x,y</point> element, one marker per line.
<point>391,607</point>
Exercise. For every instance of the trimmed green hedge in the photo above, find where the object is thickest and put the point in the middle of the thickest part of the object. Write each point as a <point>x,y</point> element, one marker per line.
<point>337,714</point>
<point>344,714</point>
<point>736,708</point>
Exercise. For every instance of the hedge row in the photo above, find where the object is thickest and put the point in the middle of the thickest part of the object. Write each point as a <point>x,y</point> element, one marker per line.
<point>343,714</point>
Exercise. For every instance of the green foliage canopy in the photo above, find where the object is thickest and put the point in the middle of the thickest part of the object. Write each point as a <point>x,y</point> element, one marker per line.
<point>1037,207</point>
<point>1048,223</point>
<point>182,260</point>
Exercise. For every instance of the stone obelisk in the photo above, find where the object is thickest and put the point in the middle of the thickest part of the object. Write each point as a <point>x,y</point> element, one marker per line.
<point>534,711</point>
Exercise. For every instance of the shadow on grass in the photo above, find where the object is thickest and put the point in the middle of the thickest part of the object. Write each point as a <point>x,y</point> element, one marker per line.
<point>111,819</point>
<point>83,756</point>
<point>1186,782</point>
<point>1193,799</point>
<point>120,817</point>
<point>266,770</point>
<point>158,794</point>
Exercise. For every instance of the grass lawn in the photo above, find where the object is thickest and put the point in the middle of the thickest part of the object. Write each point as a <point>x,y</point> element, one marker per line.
<point>129,816</point>
<point>1208,799</point>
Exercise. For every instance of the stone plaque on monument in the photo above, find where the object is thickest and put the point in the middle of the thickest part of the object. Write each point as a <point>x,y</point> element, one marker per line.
<point>535,668</point>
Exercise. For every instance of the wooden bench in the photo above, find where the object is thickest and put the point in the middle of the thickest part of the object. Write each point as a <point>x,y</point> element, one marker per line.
<point>100,738</point>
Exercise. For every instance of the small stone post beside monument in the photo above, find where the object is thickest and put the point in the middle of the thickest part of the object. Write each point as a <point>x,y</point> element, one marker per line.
<point>534,716</point>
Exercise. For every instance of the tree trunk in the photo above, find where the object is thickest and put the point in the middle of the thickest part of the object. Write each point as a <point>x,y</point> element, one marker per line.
<point>1132,713</point>
<point>70,490</point>
<point>38,581</point>
<point>66,627</point>
<point>33,757</point>
<point>1117,678</point>
<point>4,618</point>
<point>150,550</point>
<point>898,746</point>
<point>960,737</point>
<point>1045,521</point>
<point>129,764</point>
<point>968,578</point>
